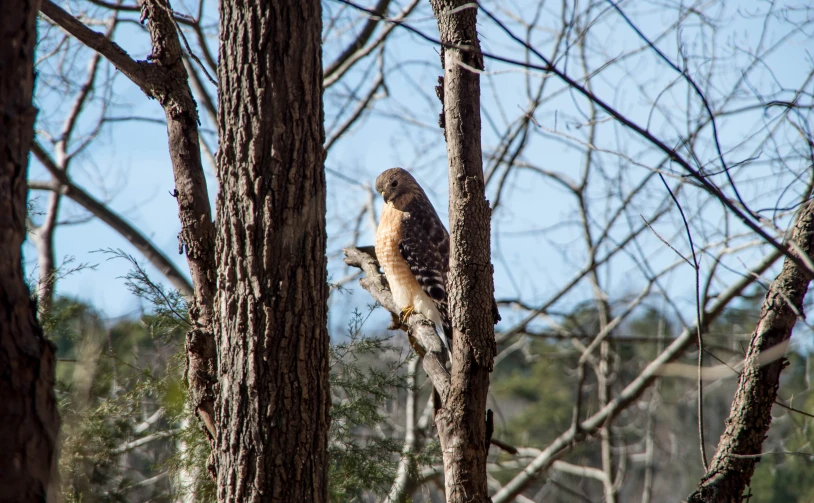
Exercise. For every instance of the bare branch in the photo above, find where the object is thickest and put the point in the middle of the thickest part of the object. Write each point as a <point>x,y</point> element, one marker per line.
<point>581,471</point>
<point>45,232</point>
<point>197,236</point>
<point>129,446</point>
<point>568,440</point>
<point>703,181</point>
<point>416,325</point>
<point>137,71</point>
<point>398,492</point>
<point>361,107</point>
<point>66,187</point>
<point>200,91</point>
<point>361,39</point>
<point>165,79</point>
<point>750,415</point>
<point>337,73</point>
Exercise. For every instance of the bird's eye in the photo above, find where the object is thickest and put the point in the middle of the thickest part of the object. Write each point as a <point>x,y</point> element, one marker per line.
<point>394,183</point>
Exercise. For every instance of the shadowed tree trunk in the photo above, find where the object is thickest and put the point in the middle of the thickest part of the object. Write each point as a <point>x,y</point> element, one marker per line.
<point>461,422</point>
<point>271,305</point>
<point>751,412</point>
<point>29,422</point>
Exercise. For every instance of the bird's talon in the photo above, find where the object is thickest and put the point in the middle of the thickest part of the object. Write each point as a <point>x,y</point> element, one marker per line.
<point>405,313</point>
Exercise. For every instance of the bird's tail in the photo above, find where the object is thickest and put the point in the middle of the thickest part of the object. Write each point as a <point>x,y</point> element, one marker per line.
<point>446,324</point>
<point>446,328</point>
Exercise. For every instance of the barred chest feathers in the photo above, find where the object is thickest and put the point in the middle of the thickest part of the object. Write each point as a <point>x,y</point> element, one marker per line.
<point>405,288</point>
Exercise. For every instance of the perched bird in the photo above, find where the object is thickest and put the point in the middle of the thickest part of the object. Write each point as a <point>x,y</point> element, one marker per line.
<point>412,247</point>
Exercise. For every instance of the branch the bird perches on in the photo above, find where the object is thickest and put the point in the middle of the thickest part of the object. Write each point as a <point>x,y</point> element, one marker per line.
<point>417,326</point>
<point>420,330</point>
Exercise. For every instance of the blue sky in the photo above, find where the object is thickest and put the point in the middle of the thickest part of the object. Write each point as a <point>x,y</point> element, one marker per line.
<point>536,241</point>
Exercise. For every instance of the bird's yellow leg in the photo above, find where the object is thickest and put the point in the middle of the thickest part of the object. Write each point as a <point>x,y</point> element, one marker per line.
<point>406,311</point>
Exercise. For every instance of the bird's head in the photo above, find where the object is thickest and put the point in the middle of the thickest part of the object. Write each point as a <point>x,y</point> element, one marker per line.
<point>396,185</point>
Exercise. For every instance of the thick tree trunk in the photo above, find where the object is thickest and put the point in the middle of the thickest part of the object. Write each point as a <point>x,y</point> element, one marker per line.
<point>462,420</point>
<point>271,305</point>
<point>750,415</point>
<point>29,422</point>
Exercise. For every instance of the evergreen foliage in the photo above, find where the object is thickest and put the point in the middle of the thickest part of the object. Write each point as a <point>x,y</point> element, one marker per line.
<point>127,434</point>
<point>122,381</point>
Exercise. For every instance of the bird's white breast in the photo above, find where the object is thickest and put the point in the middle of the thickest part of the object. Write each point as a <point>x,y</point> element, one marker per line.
<point>403,285</point>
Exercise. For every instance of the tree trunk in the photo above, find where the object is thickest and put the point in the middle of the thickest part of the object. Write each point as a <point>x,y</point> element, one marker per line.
<point>750,415</point>
<point>462,420</point>
<point>271,305</point>
<point>29,422</point>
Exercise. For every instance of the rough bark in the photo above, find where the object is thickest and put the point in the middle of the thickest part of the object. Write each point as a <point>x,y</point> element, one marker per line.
<point>461,422</point>
<point>29,422</point>
<point>272,414</point>
<point>271,310</point>
<point>750,414</point>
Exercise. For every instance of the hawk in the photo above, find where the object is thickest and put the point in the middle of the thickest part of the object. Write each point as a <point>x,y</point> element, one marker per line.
<point>412,247</point>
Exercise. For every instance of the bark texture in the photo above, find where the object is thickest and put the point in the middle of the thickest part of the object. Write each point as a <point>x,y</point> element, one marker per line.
<point>29,422</point>
<point>750,415</point>
<point>272,414</point>
<point>461,422</point>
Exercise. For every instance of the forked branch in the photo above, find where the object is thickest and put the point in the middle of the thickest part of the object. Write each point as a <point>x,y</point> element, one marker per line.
<point>164,78</point>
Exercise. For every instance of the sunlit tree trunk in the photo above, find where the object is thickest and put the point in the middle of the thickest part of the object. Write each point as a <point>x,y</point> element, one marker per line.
<point>271,303</point>
<point>461,422</point>
<point>750,415</point>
